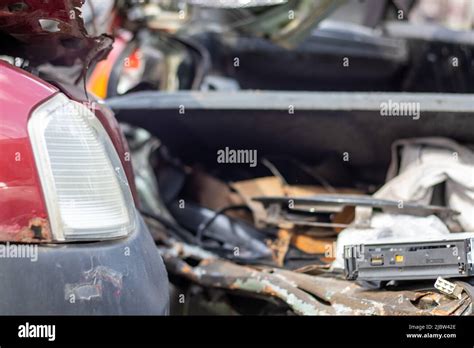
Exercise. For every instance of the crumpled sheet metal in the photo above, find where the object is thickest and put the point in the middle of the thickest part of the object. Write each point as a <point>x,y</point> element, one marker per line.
<point>49,31</point>
<point>312,295</point>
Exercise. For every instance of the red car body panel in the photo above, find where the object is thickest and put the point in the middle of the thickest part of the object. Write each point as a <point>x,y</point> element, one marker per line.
<point>23,215</point>
<point>22,21</point>
<point>26,286</point>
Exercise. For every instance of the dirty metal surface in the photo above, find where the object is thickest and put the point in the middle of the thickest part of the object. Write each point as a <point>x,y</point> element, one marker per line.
<point>305,294</point>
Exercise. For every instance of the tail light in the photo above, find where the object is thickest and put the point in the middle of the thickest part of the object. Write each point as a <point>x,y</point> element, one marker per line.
<point>84,184</point>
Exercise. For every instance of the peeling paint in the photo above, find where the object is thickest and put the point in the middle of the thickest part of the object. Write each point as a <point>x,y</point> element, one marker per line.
<point>36,231</point>
<point>83,291</point>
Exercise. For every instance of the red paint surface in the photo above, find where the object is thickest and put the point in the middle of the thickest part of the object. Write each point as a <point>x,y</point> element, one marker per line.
<point>21,198</point>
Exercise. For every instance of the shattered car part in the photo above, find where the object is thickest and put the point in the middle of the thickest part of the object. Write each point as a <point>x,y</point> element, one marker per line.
<point>448,258</point>
<point>50,31</point>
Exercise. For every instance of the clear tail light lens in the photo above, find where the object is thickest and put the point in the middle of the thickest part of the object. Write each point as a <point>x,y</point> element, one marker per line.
<point>84,184</point>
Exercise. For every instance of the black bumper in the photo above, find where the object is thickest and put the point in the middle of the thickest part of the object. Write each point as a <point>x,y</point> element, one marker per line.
<point>120,277</point>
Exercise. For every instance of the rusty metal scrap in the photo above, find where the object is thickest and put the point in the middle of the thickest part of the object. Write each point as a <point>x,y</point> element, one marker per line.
<point>311,288</point>
<point>306,294</point>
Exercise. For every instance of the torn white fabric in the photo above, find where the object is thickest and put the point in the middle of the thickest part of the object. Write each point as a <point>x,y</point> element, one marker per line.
<point>426,162</point>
